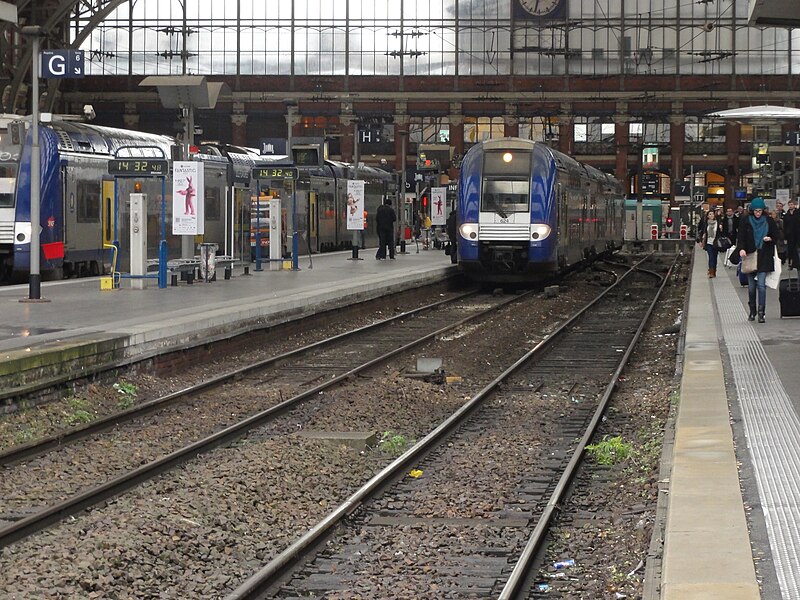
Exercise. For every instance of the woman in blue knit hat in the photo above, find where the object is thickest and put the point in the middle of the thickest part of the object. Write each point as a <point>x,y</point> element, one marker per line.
<point>758,231</point>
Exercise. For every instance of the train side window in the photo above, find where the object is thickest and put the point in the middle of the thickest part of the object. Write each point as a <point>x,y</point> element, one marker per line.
<point>212,204</point>
<point>88,195</point>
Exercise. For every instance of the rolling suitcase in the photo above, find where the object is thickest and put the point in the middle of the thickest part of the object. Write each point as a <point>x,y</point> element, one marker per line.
<point>789,297</point>
<point>742,276</point>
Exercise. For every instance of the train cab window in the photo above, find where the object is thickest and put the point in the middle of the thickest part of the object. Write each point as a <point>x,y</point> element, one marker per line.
<point>506,181</point>
<point>8,181</point>
<point>88,194</point>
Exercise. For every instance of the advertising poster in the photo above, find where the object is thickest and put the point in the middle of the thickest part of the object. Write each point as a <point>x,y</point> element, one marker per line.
<point>355,205</point>
<point>187,198</point>
<point>438,206</point>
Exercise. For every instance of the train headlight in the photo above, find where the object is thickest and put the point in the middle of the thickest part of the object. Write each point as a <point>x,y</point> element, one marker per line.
<point>22,233</point>
<point>469,231</point>
<point>540,231</point>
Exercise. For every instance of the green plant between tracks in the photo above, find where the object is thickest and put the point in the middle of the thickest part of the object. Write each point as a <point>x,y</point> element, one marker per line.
<point>610,450</point>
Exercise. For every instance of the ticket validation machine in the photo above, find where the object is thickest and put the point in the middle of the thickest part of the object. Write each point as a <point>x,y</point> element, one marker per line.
<point>275,235</point>
<point>138,229</point>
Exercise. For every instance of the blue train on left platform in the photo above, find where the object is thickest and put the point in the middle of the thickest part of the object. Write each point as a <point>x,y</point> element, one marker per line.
<point>526,211</point>
<point>79,217</point>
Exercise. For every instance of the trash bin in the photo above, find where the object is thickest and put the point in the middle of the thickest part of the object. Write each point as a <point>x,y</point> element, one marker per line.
<point>208,256</point>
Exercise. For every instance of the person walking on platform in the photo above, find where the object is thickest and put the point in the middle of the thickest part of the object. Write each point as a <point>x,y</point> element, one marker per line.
<point>791,229</point>
<point>712,229</point>
<point>384,221</point>
<point>452,236</point>
<point>730,225</point>
<point>758,232</point>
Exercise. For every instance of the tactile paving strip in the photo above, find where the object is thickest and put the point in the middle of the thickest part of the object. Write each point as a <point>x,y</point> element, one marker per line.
<point>772,429</point>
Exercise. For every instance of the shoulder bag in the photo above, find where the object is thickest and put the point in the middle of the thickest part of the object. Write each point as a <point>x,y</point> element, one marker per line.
<point>722,242</point>
<point>750,262</point>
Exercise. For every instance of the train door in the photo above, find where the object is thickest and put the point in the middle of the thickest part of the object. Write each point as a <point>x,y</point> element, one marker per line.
<point>313,236</point>
<point>109,217</point>
<point>563,217</point>
<point>83,233</point>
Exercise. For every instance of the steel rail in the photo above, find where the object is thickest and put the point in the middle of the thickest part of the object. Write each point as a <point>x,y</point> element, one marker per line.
<point>519,574</point>
<point>21,452</point>
<point>258,584</point>
<point>29,525</point>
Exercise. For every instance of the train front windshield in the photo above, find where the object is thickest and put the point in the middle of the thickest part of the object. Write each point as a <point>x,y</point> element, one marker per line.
<point>506,182</point>
<point>8,182</point>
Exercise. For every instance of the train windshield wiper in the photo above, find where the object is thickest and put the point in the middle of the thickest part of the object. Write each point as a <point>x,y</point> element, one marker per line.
<point>497,208</point>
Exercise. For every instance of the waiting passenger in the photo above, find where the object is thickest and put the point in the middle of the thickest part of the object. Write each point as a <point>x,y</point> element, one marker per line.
<point>757,231</point>
<point>452,235</point>
<point>384,222</point>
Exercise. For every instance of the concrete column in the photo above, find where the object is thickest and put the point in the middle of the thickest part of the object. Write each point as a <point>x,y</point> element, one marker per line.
<point>733,143</point>
<point>292,122</point>
<point>456,120</point>
<point>347,139</point>
<point>401,141</point>
<point>131,116</point>
<point>238,125</point>
<point>510,121</point>
<point>566,122</point>
<point>622,144</point>
<point>677,142</point>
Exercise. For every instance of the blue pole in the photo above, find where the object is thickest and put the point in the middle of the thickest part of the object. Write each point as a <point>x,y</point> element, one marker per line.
<point>162,247</point>
<point>258,226</point>
<point>295,236</point>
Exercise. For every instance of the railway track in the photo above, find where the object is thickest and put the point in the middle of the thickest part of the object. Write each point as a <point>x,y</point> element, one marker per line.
<point>465,511</point>
<point>65,484</point>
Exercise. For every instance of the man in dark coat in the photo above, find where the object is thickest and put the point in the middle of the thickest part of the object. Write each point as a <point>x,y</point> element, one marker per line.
<point>384,222</point>
<point>452,236</point>
<point>730,225</point>
<point>791,229</point>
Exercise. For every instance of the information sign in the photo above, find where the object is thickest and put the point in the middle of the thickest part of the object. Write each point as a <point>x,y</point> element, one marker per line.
<point>62,64</point>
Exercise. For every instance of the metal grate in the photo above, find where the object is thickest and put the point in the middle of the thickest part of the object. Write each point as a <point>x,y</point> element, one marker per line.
<point>504,232</point>
<point>6,233</point>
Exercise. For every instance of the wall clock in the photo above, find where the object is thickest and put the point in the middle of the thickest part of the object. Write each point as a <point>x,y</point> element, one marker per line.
<point>540,8</point>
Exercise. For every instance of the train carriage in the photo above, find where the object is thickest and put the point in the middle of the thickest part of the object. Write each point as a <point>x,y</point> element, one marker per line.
<point>79,216</point>
<point>526,211</point>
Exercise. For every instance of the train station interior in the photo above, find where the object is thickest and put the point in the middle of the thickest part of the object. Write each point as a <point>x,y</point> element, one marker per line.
<point>629,87</point>
<point>283,112</point>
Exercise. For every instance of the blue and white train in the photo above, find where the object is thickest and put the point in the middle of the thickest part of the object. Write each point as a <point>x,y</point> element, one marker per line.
<point>526,212</point>
<point>79,217</point>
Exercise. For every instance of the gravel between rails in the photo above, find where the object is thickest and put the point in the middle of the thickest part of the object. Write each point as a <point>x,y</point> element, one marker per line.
<point>199,531</point>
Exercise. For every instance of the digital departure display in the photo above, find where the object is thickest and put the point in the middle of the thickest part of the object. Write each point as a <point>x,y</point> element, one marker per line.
<point>274,173</point>
<point>138,167</point>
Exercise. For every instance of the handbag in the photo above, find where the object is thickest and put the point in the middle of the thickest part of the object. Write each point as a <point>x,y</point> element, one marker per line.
<point>447,249</point>
<point>750,262</point>
<point>722,242</point>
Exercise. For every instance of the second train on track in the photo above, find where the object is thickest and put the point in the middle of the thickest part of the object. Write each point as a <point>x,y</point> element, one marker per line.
<point>526,212</point>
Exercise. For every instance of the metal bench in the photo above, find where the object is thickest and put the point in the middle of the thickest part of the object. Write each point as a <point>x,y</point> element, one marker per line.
<point>185,267</point>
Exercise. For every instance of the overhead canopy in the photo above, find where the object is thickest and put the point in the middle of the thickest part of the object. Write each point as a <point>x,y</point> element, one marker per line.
<point>184,91</point>
<point>778,13</point>
<point>764,112</point>
<point>8,12</point>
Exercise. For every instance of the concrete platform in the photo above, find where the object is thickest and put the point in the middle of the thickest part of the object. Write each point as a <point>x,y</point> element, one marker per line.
<point>82,327</point>
<point>737,444</point>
